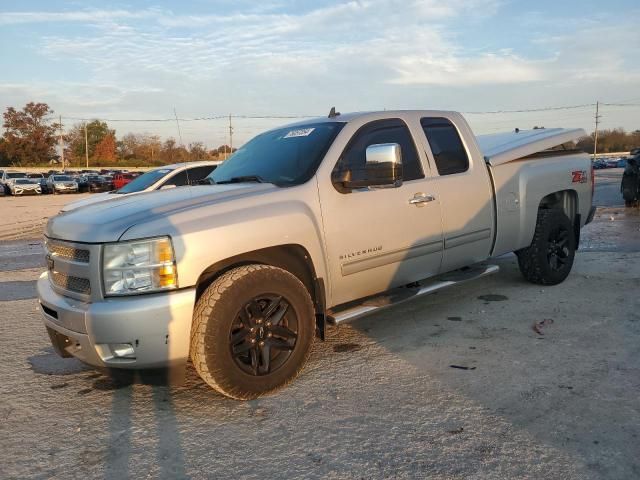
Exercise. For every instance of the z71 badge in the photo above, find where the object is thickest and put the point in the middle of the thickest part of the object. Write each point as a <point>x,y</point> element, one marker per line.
<point>579,176</point>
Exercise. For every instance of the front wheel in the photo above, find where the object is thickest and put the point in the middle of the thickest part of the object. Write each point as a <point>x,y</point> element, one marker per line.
<point>252,331</point>
<point>549,258</point>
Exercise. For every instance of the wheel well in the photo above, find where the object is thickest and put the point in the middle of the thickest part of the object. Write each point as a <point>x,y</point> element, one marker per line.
<point>567,201</point>
<point>293,258</point>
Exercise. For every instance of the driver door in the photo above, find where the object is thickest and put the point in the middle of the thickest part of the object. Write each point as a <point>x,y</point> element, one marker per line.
<point>378,238</point>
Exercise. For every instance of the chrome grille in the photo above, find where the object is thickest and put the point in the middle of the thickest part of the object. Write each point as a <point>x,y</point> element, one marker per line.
<point>71,283</point>
<point>70,253</point>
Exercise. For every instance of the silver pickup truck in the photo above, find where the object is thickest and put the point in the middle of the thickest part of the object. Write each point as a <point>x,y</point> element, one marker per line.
<point>317,222</point>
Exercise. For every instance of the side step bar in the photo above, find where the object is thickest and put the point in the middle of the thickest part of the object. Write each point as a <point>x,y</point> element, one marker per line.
<point>402,294</point>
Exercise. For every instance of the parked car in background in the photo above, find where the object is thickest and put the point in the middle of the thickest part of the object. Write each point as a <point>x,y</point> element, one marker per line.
<point>121,179</point>
<point>621,163</point>
<point>169,176</point>
<point>6,176</point>
<point>62,184</point>
<point>599,164</point>
<point>83,183</point>
<point>24,186</point>
<point>40,179</point>
<point>98,183</point>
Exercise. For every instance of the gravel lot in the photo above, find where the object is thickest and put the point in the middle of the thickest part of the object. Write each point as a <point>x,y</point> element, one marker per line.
<point>379,399</point>
<point>25,217</point>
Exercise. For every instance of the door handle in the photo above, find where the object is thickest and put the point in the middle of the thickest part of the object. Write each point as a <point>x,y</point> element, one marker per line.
<point>420,198</point>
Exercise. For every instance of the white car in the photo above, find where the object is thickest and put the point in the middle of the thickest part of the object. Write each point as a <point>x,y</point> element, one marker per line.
<point>6,176</point>
<point>62,184</point>
<point>168,176</point>
<point>24,186</point>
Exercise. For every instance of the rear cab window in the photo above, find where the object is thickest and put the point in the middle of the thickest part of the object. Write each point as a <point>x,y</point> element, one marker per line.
<point>446,145</point>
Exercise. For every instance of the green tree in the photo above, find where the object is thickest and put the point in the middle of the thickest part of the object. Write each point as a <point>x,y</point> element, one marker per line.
<point>96,132</point>
<point>29,136</point>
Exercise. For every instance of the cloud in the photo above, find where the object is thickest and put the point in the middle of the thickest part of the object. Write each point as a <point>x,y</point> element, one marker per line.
<point>283,57</point>
<point>82,16</point>
<point>460,71</point>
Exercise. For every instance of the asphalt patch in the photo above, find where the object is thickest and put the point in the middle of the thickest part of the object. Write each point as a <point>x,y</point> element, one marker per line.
<point>493,298</point>
<point>18,290</point>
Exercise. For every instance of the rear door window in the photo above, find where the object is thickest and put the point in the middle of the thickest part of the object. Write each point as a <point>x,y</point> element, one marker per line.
<point>447,148</point>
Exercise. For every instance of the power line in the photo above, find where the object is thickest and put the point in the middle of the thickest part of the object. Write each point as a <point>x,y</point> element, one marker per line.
<point>530,110</point>
<point>276,117</point>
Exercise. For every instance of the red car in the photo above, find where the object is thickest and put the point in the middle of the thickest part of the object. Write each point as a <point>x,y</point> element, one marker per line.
<point>121,179</point>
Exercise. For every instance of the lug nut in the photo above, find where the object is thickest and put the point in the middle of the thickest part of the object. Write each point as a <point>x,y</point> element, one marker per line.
<point>252,330</point>
<point>253,340</point>
<point>261,344</point>
<point>269,334</point>
<point>259,321</point>
<point>268,324</point>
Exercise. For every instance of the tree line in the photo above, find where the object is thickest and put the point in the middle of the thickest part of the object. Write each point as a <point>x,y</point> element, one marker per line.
<point>610,141</point>
<point>31,138</point>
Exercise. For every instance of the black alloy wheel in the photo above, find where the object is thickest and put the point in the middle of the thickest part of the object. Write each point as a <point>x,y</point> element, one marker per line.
<point>558,248</point>
<point>549,258</point>
<point>263,335</point>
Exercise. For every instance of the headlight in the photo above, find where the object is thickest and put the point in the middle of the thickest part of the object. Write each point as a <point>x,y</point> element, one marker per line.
<point>139,266</point>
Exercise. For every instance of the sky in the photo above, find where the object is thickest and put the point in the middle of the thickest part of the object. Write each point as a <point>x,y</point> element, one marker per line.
<point>142,60</point>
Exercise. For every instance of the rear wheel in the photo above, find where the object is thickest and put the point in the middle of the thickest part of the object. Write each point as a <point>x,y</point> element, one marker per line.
<point>252,332</point>
<point>549,259</point>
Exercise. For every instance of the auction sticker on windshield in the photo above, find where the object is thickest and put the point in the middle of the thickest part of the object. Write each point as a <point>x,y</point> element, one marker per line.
<point>300,132</point>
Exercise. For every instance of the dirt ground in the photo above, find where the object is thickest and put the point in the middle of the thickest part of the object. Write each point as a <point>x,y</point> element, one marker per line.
<point>384,397</point>
<point>25,217</point>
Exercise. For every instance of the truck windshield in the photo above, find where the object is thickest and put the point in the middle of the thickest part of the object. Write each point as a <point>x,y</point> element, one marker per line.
<point>285,157</point>
<point>144,181</point>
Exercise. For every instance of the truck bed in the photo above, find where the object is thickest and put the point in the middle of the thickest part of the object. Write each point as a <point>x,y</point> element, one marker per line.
<point>499,148</point>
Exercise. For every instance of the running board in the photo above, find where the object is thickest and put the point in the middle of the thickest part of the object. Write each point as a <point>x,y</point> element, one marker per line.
<point>402,294</point>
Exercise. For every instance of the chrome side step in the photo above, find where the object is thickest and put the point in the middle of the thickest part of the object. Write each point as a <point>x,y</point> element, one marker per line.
<point>402,294</point>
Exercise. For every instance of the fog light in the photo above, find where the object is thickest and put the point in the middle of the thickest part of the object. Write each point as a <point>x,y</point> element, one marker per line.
<point>122,350</point>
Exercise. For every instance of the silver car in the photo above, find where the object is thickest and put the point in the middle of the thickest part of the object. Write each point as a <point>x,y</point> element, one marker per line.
<point>62,184</point>
<point>24,186</point>
<point>161,178</point>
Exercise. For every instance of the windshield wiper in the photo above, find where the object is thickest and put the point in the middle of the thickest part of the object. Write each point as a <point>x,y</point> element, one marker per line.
<point>243,179</point>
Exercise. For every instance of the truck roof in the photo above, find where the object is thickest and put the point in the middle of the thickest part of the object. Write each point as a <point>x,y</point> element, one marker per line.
<point>497,148</point>
<point>374,114</point>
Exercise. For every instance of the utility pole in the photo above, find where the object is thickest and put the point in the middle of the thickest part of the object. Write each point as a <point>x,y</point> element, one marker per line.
<point>230,137</point>
<point>61,142</point>
<point>86,145</point>
<point>595,135</point>
<point>178,124</point>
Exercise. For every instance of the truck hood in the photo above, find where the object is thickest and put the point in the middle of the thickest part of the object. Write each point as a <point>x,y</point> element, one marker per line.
<point>94,198</point>
<point>108,221</point>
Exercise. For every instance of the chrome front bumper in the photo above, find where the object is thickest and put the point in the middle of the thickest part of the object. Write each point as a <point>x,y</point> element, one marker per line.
<point>157,326</point>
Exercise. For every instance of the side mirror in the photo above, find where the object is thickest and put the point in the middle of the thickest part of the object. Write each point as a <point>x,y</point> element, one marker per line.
<point>383,168</point>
